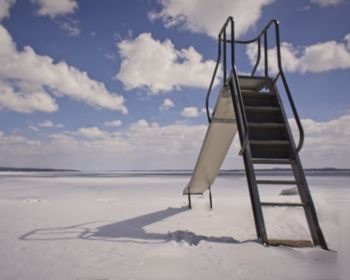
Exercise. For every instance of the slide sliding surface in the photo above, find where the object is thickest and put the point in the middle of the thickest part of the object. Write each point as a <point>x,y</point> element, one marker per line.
<point>216,144</point>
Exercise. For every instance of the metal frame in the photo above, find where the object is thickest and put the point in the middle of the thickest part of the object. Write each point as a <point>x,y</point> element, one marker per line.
<point>210,199</point>
<point>302,185</point>
<point>243,129</point>
<point>222,45</point>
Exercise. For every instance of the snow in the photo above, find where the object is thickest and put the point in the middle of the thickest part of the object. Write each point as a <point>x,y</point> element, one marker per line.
<point>107,226</point>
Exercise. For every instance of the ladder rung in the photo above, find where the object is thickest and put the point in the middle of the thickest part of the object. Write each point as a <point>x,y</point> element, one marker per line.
<point>261,108</point>
<point>282,204</point>
<point>253,83</point>
<point>272,160</point>
<point>266,124</point>
<point>256,93</point>
<point>276,182</point>
<point>290,243</point>
<point>269,142</point>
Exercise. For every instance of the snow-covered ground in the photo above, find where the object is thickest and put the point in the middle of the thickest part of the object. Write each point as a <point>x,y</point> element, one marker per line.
<point>102,226</point>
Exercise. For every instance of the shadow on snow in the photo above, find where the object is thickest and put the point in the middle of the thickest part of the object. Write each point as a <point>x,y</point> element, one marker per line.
<point>130,230</point>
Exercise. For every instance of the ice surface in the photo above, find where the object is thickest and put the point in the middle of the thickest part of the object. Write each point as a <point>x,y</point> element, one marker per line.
<point>100,226</point>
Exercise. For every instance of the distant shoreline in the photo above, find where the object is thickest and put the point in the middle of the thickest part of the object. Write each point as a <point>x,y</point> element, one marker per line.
<point>234,172</point>
<point>33,169</point>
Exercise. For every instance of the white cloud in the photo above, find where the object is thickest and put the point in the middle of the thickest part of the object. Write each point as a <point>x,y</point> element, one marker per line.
<point>70,26</point>
<point>158,66</point>
<point>33,128</point>
<point>59,125</point>
<point>24,102</point>
<point>92,132</point>
<point>141,145</point>
<point>46,123</point>
<point>326,3</point>
<point>29,81</point>
<point>54,8</point>
<point>15,149</point>
<point>166,105</point>
<point>190,112</point>
<point>207,16</point>
<point>320,57</point>
<point>326,143</point>
<point>115,123</point>
<point>144,145</point>
<point>5,6</point>
<point>49,124</point>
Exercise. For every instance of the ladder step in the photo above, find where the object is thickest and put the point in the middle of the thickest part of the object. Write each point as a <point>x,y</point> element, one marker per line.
<point>262,108</point>
<point>282,204</point>
<point>267,131</point>
<point>259,99</point>
<point>276,182</point>
<point>253,83</point>
<point>269,142</point>
<point>272,161</point>
<point>266,125</point>
<point>254,93</point>
<point>290,243</point>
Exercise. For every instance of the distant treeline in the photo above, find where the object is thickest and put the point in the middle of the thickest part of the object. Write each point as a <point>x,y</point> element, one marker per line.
<point>327,171</point>
<point>31,169</point>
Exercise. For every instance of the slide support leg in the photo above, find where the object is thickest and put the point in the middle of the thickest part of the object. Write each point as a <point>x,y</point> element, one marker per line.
<point>189,201</point>
<point>210,199</point>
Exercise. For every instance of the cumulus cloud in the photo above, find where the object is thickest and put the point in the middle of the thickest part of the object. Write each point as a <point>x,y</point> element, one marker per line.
<point>320,57</point>
<point>166,105</point>
<point>115,123</point>
<point>159,67</point>
<point>13,145</point>
<point>326,3</point>
<point>5,6</point>
<point>25,102</point>
<point>91,132</point>
<point>190,112</point>
<point>206,16</point>
<point>326,143</point>
<point>29,82</point>
<point>141,145</point>
<point>145,145</point>
<point>54,8</point>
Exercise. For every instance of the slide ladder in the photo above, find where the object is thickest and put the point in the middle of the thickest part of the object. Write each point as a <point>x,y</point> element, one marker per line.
<point>270,142</point>
<point>264,131</point>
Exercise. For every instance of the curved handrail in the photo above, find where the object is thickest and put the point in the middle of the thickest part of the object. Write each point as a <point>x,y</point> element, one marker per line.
<point>212,82</point>
<point>223,40</point>
<point>257,59</point>
<point>222,31</point>
<point>280,73</point>
<point>284,80</point>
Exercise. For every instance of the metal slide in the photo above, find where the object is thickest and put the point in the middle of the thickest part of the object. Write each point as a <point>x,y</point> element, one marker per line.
<point>217,141</point>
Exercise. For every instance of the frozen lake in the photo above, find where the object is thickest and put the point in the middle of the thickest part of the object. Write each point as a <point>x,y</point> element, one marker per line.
<point>137,226</point>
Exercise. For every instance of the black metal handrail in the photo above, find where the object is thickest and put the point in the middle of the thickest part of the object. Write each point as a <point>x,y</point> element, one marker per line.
<point>280,73</point>
<point>222,40</point>
<point>223,34</point>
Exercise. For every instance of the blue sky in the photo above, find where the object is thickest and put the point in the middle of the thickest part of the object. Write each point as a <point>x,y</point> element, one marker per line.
<point>121,84</point>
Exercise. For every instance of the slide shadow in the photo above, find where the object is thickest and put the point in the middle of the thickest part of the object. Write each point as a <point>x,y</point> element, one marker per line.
<point>130,230</point>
